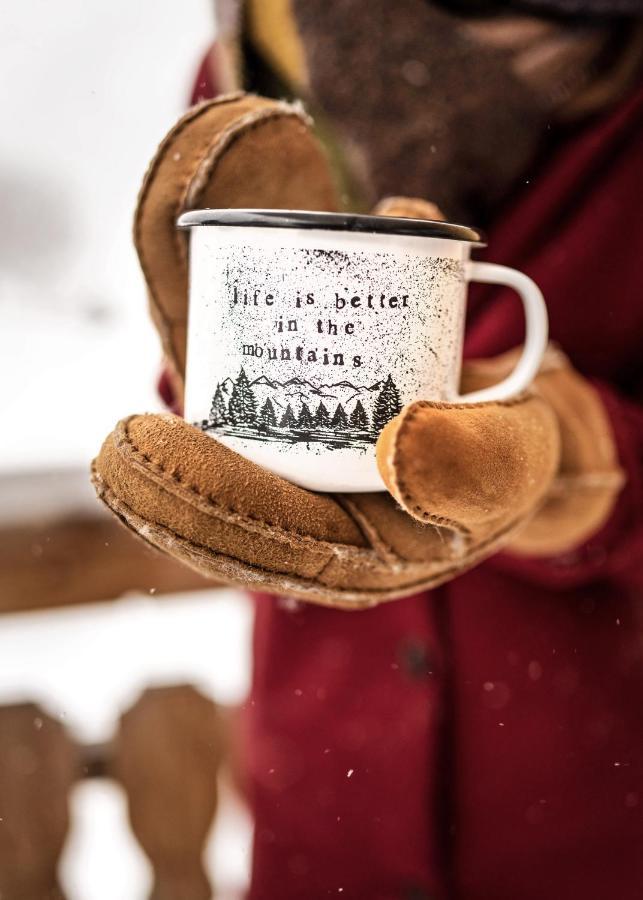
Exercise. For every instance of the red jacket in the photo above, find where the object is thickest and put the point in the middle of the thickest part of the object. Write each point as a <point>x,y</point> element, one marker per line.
<point>484,741</point>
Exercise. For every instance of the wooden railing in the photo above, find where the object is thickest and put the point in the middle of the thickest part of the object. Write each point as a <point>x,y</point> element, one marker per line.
<point>58,548</point>
<point>166,755</point>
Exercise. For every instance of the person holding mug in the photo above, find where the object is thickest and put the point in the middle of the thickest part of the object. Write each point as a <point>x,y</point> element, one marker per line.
<point>479,737</point>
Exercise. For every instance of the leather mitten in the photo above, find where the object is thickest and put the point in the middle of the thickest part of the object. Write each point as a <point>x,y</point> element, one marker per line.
<point>464,479</point>
<point>579,498</point>
<point>589,478</point>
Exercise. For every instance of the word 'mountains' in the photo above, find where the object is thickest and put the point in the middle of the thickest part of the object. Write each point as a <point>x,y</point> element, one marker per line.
<point>343,414</point>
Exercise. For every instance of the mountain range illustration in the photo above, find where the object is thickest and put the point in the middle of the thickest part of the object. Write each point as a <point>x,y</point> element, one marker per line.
<point>339,414</point>
<point>301,390</point>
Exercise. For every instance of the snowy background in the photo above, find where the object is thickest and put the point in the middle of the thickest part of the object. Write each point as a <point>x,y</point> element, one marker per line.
<point>88,90</point>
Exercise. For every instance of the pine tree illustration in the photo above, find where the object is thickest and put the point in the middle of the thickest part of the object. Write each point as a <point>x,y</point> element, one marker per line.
<point>288,419</point>
<point>267,416</point>
<point>243,405</point>
<point>305,419</point>
<point>387,405</point>
<point>322,419</point>
<point>339,421</point>
<point>218,411</point>
<point>358,418</point>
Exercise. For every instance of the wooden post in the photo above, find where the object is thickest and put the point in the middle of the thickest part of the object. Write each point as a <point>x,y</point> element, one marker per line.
<point>166,756</point>
<point>38,766</point>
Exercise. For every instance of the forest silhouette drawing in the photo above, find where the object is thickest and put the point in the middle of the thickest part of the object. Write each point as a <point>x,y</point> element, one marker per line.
<point>298,411</point>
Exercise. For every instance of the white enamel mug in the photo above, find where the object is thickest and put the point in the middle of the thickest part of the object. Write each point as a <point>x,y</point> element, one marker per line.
<point>309,331</point>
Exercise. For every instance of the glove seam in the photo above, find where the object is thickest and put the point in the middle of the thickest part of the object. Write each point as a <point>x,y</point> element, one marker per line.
<point>406,496</point>
<point>160,156</point>
<point>382,548</point>
<point>243,519</point>
<point>516,400</point>
<point>302,587</point>
<point>115,503</point>
<point>209,154</point>
<point>215,151</point>
<point>226,138</point>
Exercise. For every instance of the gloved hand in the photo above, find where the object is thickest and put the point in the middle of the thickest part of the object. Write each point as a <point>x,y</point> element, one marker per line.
<point>537,471</point>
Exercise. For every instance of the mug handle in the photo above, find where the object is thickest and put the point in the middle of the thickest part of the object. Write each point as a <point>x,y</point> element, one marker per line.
<point>536,329</point>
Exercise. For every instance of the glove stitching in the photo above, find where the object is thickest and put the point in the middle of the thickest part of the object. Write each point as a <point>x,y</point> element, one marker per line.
<point>168,322</point>
<point>516,400</point>
<point>193,183</point>
<point>408,498</point>
<point>297,585</point>
<point>214,152</point>
<point>382,548</point>
<point>405,495</point>
<point>160,157</point>
<point>271,529</point>
<point>226,138</point>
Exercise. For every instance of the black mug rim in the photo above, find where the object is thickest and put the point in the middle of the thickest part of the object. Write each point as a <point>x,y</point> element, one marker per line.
<point>331,221</point>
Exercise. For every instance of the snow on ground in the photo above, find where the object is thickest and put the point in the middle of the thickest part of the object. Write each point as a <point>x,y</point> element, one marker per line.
<point>88,90</point>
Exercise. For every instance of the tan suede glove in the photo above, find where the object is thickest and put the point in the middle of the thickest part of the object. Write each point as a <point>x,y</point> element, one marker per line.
<point>538,471</point>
